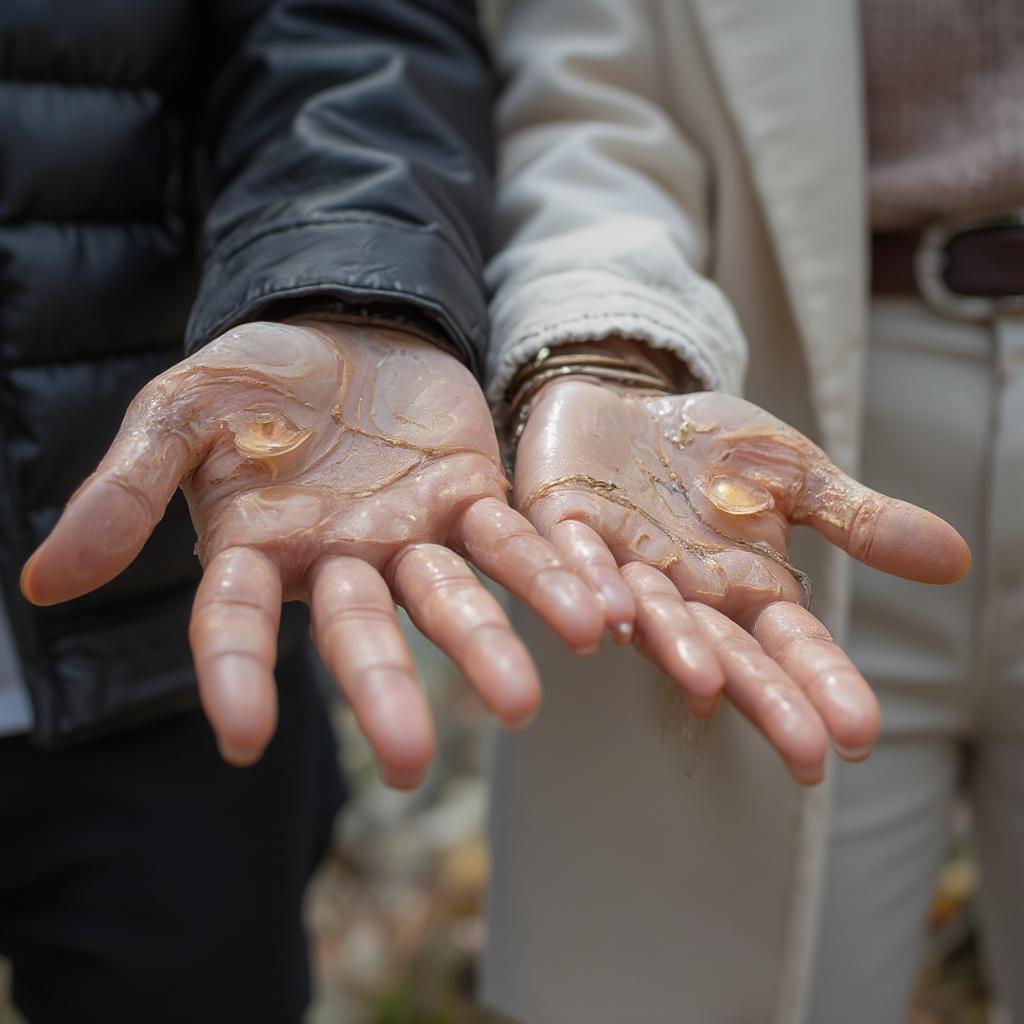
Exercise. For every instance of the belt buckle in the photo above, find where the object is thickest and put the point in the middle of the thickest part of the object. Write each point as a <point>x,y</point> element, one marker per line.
<point>931,260</point>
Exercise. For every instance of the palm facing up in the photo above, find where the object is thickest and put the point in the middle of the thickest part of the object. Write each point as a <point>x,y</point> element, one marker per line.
<point>693,496</point>
<point>341,465</point>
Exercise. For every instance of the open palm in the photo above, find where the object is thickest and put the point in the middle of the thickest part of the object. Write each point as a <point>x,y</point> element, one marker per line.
<point>341,465</point>
<point>693,497</point>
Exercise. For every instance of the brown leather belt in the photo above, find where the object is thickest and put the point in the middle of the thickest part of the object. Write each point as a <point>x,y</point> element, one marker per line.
<point>971,270</point>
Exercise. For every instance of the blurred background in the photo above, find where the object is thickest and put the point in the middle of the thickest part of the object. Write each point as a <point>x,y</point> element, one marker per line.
<point>395,912</point>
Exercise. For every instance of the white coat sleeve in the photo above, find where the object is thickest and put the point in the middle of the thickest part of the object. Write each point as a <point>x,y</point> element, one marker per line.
<point>603,203</point>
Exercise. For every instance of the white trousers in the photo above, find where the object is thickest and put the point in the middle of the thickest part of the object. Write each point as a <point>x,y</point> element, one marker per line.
<point>944,429</point>
<point>643,877</point>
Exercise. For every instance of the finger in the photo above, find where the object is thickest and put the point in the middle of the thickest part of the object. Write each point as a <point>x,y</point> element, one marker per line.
<point>452,609</point>
<point>803,648</point>
<point>885,533</point>
<point>502,544</point>
<point>357,633</point>
<point>732,581</point>
<point>588,556</point>
<point>672,639</point>
<point>233,634</point>
<point>763,692</point>
<point>112,514</point>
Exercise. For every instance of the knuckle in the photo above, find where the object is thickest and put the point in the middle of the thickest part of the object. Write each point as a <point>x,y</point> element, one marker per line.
<point>440,595</point>
<point>863,528</point>
<point>540,575</point>
<point>483,634</point>
<point>522,537</point>
<point>778,697</point>
<point>664,606</point>
<point>258,658</point>
<point>791,647</point>
<point>784,617</point>
<point>153,393</point>
<point>645,579</point>
<point>360,682</point>
<point>585,512</point>
<point>365,615</point>
<point>227,612</point>
<point>407,559</point>
<point>139,496</point>
<point>735,647</point>
<point>442,587</point>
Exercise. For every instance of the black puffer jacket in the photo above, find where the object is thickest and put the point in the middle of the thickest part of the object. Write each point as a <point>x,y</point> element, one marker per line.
<point>171,168</point>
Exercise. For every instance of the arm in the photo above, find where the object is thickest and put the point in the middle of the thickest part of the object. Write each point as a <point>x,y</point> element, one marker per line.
<point>675,507</point>
<point>334,459</point>
<point>349,158</point>
<point>603,201</point>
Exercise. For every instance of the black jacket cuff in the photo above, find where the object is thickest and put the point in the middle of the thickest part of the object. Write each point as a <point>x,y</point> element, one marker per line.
<point>378,268</point>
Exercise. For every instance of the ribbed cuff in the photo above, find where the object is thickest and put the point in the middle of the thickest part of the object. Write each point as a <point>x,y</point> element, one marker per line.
<point>697,325</point>
<point>374,266</point>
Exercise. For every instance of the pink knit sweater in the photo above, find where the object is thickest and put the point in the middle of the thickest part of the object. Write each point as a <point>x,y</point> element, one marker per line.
<point>945,102</point>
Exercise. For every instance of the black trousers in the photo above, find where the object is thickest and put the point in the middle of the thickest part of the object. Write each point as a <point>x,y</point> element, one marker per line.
<point>143,881</point>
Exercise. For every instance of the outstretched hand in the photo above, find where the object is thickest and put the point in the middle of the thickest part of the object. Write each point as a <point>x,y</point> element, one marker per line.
<point>677,510</point>
<point>344,465</point>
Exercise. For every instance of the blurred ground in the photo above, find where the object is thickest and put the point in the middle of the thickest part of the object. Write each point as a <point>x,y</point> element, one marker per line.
<point>395,910</point>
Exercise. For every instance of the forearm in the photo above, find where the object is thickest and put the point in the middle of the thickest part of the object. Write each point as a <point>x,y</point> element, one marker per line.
<point>349,162</point>
<point>604,218</point>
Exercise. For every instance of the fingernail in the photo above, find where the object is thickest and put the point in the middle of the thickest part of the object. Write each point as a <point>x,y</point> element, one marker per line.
<point>238,757</point>
<point>521,701</point>
<point>854,753</point>
<point>24,582</point>
<point>401,780</point>
<point>521,723</point>
<point>703,707</point>
<point>565,592</point>
<point>808,775</point>
<point>522,708</point>
<point>588,650</point>
<point>79,490</point>
<point>622,632</point>
<point>697,660</point>
<point>685,653</point>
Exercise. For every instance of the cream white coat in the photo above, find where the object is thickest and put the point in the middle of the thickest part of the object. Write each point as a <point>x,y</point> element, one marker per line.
<point>688,172</point>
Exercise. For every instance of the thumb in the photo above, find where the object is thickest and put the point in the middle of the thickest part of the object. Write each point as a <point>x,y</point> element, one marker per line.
<point>886,533</point>
<point>110,517</point>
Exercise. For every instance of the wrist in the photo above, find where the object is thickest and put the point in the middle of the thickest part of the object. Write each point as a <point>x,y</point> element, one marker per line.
<point>660,363</point>
<point>618,363</point>
<point>396,317</point>
<point>346,332</point>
